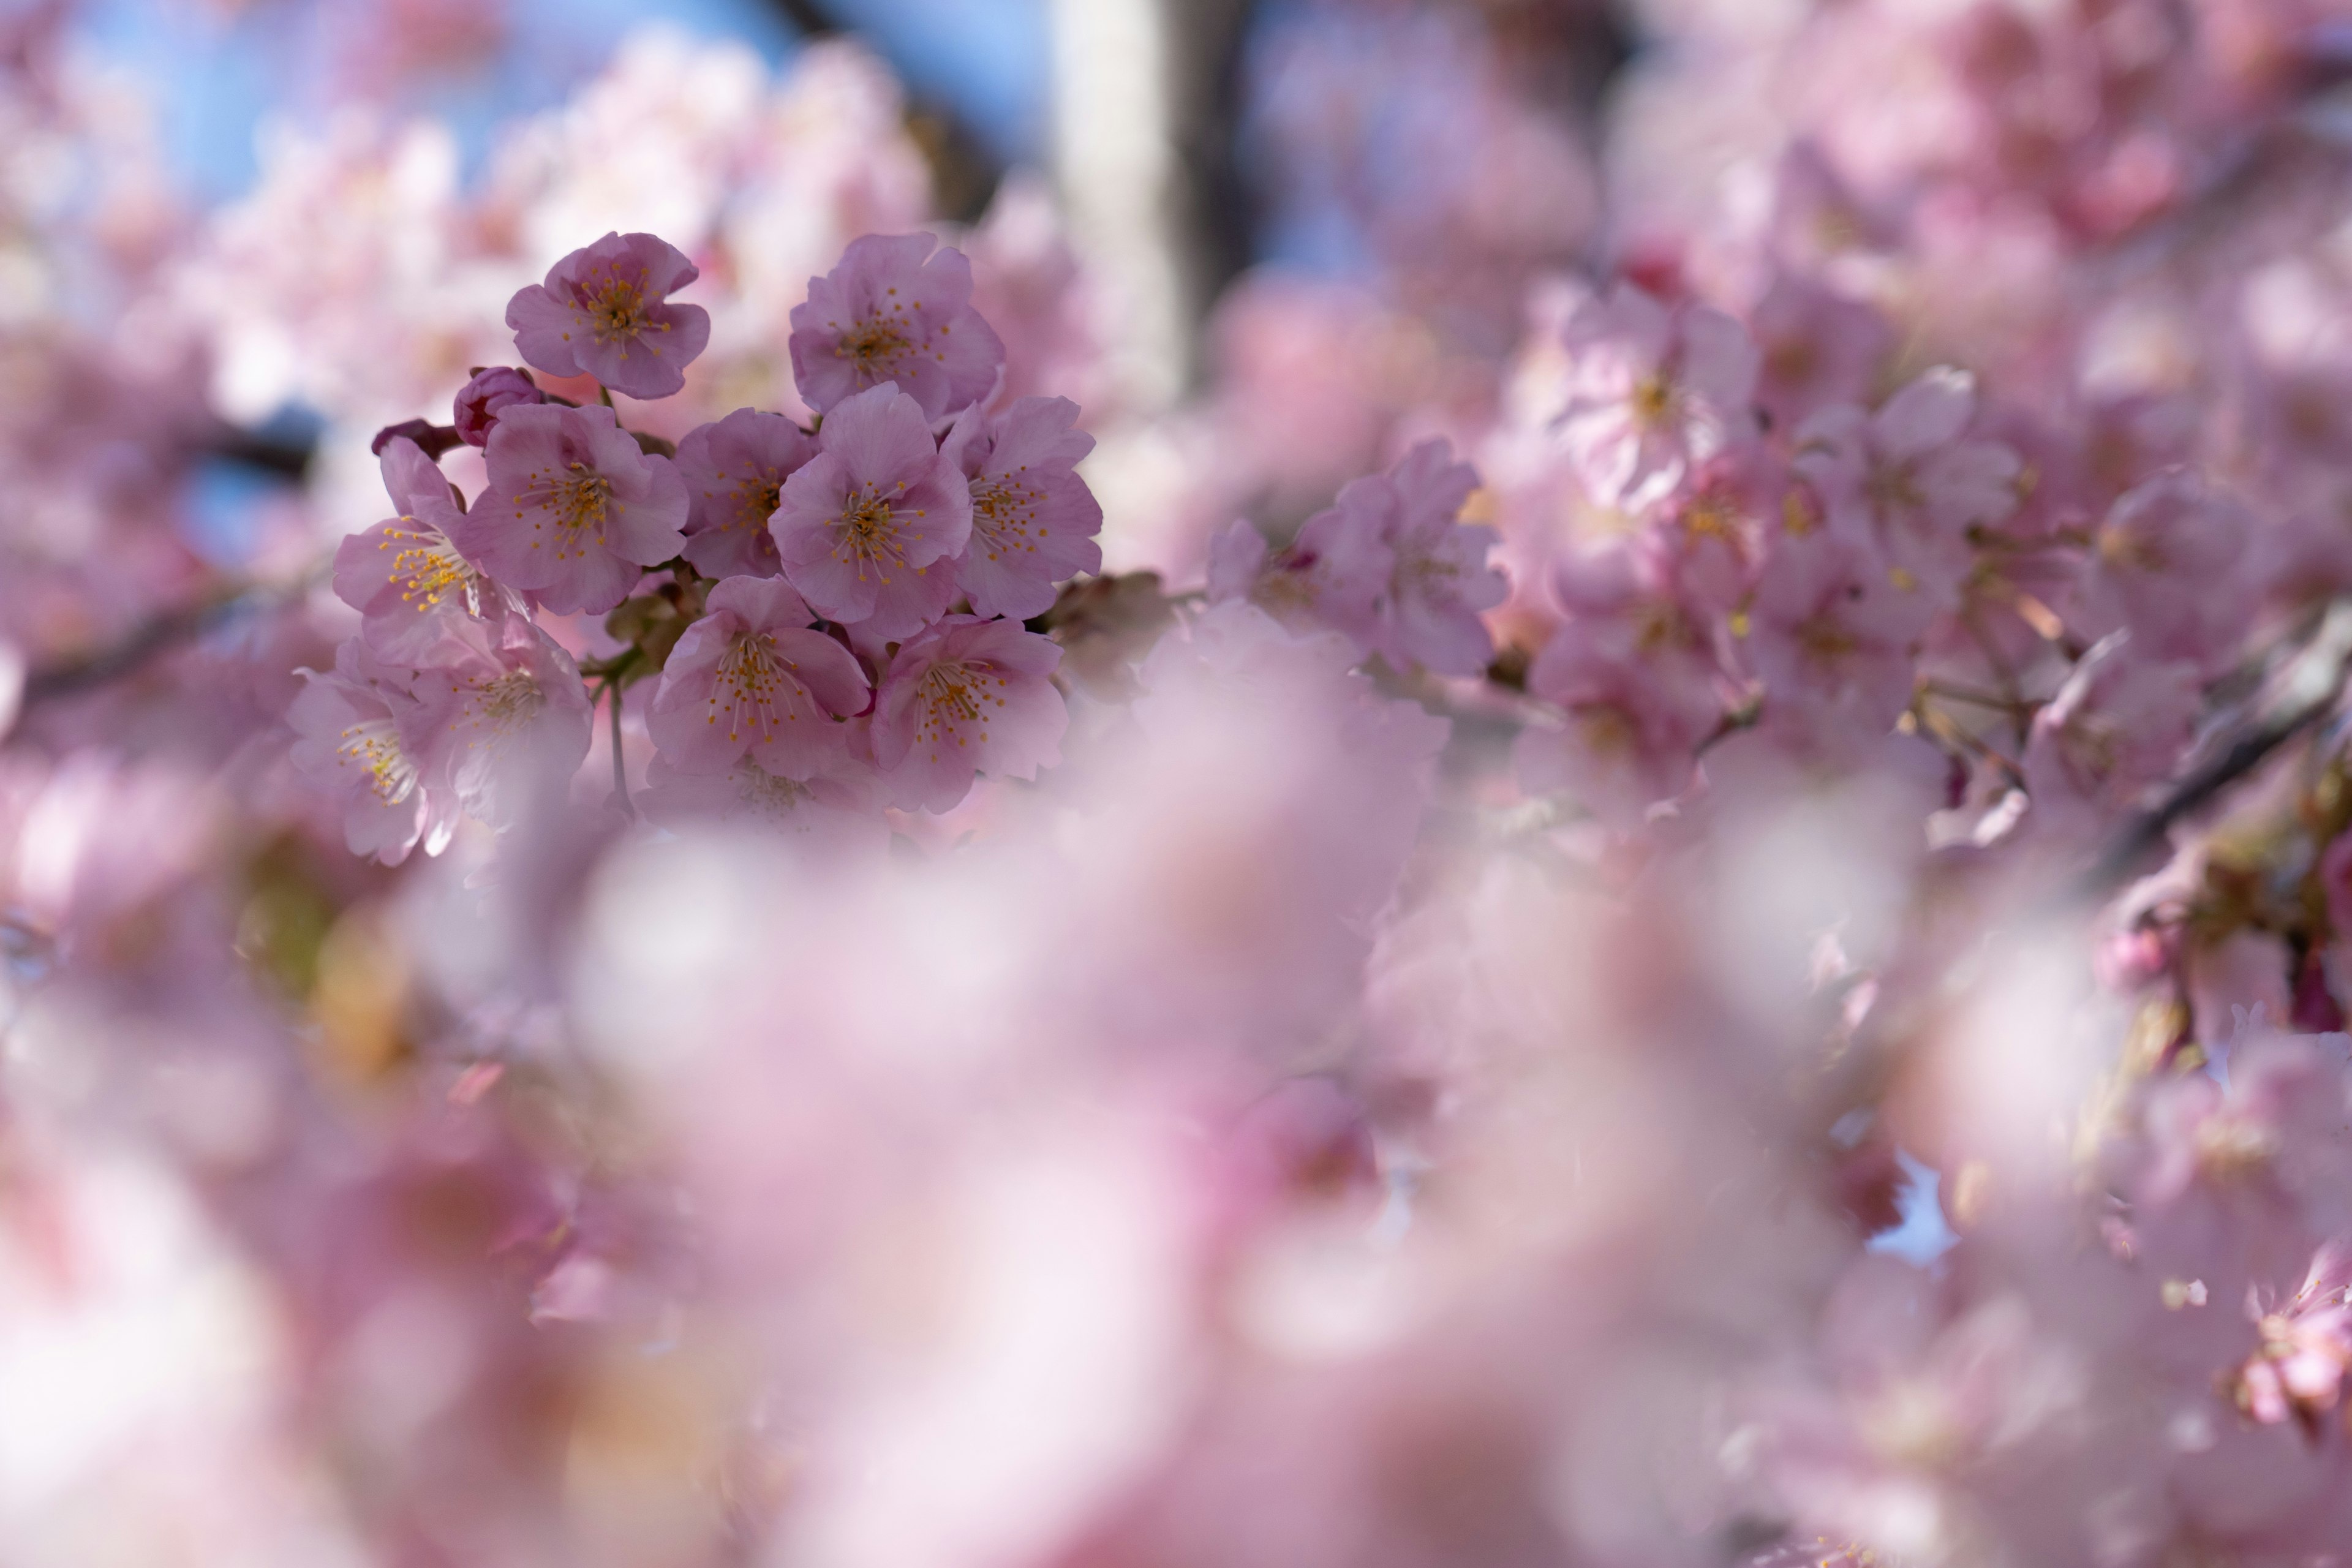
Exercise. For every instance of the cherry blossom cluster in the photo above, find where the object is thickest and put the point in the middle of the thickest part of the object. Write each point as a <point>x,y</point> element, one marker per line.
<point>1670,883</point>
<point>830,619</point>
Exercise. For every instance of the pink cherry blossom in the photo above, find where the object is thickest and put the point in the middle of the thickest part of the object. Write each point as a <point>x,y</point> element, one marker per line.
<point>869,528</point>
<point>347,735</point>
<point>735,471</point>
<point>1331,575</point>
<point>403,571</point>
<point>750,678</point>
<point>605,311</point>
<point>1651,390</point>
<point>967,697</point>
<point>480,399</point>
<point>1817,348</point>
<point>837,807</point>
<point>1426,612</point>
<point>894,311</point>
<point>574,509</point>
<point>500,716</point>
<point>2168,563</point>
<point>1033,521</point>
<point>1831,636</point>
<point>1630,734</point>
<point>2306,1352</point>
<point>1909,479</point>
<point>2116,726</point>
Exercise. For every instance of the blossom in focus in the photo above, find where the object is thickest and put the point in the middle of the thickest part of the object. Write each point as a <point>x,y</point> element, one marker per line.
<point>1033,521</point>
<point>751,679</point>
<point>1651,390</point>
<point>574,508</point>
<point>895,312</point>
<point>605,311</point>
<point>398,573</point>
<point>735,470</point>
<point>1426,612</point>
<point>869,528</point>
<point>967,697</point>
<point>480,399</point>
<point>348,736</point>
<point>500,716</point>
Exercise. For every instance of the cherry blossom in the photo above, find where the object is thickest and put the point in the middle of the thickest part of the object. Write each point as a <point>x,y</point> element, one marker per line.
<point>967,697</point>
<point>1033,521</point>
<point>735,471</point>
<point>499,717</point>
<point>1426,612</point>
<point>403,573</point>
<point>1651,390</point>
<point>605,311</point>
<point>750,678</point>
<point>348,735</point>
<point>480,399</point>
<point>575,508</point>
<point>895,312</point>
<point>869,528</point>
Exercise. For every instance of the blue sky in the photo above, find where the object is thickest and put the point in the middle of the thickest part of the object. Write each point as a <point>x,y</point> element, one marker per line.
<point>216,78</point>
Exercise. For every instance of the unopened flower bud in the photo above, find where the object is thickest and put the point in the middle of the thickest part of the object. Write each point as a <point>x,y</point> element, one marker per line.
<point>496,387</point>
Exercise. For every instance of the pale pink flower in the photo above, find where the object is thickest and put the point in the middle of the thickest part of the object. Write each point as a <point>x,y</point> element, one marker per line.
<point>1631,731</point>
<point>347,735</point>
<point>735,471</point>
<point>575,508</point>
<point>967,697</point>
<point>838,806</point>
<point>2118,725</point>
<point>1329,577</point>
<point>750,678</point>
<point>479,402</point>
<point>1831,638</point>
<point>605,311</point>
<point>894,311</point>
<point>2169,562</point>
<point>869,528</point>
<point>1427,611</point>
<point>1817,348</point>
<point>500,716</point>
<point>1033,521</point>
<point>1653,390</point>
<point>2306,1355</point>
<point>1910,479</point>
<point>402,570</point>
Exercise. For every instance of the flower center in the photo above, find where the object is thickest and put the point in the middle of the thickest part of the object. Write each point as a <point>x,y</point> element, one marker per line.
<point>510,700</point>
<point>765,792</point>
<point>877,344</point>
<point>374,745</point>
<point>751,681</point>
<point>867,532</point>
<point>1654,400</point>
<point>427,566</point>
<point>1004,514</point>
<point>617,309</point>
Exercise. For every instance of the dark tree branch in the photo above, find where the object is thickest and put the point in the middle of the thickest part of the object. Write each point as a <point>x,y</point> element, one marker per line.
<point>808,17</point>
<point>2311,692</point>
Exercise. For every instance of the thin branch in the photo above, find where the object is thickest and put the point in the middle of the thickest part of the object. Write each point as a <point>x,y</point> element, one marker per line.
<point>2312,691</point>
<point>150,640</point>
<point>620,767</point>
